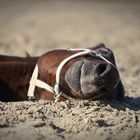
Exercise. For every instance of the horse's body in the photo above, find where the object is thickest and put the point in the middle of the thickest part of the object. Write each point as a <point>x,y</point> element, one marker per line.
<point>84,77</point>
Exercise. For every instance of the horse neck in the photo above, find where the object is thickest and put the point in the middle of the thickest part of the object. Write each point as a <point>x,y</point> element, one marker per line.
<point>15,73</point>
<point>5,58</point>
<point>16,66</point>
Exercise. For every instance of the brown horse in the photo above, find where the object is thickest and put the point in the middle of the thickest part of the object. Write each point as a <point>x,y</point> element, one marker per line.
<point>84,77</point>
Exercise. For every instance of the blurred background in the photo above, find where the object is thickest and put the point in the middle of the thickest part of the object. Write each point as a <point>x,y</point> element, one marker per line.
<point>37,26</point>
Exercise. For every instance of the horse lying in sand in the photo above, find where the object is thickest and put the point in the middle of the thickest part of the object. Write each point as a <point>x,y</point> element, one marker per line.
<point>60,75</point>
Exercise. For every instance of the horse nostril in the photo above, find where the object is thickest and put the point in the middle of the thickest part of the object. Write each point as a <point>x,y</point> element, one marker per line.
<point>101,68</point>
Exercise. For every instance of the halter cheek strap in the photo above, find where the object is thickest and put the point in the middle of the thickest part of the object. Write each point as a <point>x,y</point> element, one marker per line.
<point>56,90</point>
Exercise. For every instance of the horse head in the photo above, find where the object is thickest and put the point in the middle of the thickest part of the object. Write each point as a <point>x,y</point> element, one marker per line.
<point>83,77</point>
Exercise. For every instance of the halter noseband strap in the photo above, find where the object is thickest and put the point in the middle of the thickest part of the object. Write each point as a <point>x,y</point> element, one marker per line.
<point>56,90</point>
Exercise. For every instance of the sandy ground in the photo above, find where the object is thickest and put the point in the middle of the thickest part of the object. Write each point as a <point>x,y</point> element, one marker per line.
<point>38,26</point>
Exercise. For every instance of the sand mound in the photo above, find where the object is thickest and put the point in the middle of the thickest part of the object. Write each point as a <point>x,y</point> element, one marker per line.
<point>71,119</point>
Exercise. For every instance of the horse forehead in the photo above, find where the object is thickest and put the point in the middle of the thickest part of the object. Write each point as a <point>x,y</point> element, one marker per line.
<point>55,57</point>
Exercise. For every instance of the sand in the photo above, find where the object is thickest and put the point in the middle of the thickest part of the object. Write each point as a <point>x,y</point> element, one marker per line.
<point>40,26</point>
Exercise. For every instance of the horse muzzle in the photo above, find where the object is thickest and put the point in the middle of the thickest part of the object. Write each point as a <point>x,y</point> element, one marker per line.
<point>88,79</point>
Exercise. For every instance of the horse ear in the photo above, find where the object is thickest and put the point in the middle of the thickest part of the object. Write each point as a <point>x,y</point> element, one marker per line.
<point>105,52</point>
<point>98,46</point>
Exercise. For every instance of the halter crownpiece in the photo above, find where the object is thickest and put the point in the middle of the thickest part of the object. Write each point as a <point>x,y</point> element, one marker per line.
<point>56,90</point>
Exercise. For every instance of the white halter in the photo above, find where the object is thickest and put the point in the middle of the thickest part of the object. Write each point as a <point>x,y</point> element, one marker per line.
<point>56,91</point>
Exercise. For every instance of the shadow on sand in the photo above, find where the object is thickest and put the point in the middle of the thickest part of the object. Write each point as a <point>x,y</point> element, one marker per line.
<point>132,103</point>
